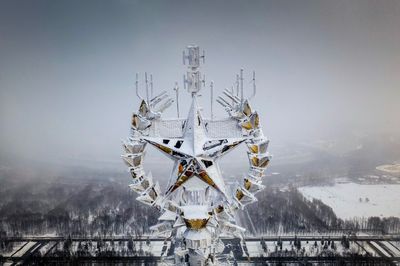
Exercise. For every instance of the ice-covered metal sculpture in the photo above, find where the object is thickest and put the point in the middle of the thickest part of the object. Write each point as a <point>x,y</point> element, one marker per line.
<point>197,207</point>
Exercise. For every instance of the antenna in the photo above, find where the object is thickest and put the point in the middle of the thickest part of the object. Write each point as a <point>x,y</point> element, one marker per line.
<point>159,98</point>
<point>164,105</point>
<point>193,81</point>
<point>176,89</point>
<point>203,57</point>
<point>151,87</point>
<point>237,85</point>
<point>221,103</point>
<point>212,99</point>
<point>220,99</point>
<point>254,85</point>
<point>137,87</point>
<point>147,87</point>
<point>230,95</point>
<point>241,85</point>
<point>232,92</point>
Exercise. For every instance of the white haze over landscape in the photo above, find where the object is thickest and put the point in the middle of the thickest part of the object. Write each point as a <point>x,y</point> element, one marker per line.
<point>327,78</point>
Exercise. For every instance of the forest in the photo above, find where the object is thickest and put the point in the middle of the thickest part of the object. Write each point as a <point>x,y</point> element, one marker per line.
<point>105,207</point>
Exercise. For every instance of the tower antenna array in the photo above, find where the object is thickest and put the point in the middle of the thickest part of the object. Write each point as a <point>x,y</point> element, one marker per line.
<point>192,81</point>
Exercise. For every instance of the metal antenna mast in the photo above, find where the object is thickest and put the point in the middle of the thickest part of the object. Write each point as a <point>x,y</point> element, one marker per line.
<point>137,87</point>
<point>193,78</point>
<point>241,85</point>
<point>233,93</point>
<point>254,85</point>
<point>151,87</point>
<point>176,89</point>
<point>212,98</point>
<point>237,85</point>
<point>147,88</point>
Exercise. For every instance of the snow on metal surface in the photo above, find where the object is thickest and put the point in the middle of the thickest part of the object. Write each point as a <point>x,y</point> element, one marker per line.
<point>196,194</point>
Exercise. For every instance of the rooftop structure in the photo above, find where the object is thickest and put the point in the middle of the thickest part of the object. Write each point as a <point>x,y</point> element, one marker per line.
<point>197,207</point>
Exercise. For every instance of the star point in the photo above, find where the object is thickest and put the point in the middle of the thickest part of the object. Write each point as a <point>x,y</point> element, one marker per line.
<point>195,154</point>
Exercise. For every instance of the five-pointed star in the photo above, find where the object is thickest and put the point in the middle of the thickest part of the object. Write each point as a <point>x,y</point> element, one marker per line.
<point>195,154</point>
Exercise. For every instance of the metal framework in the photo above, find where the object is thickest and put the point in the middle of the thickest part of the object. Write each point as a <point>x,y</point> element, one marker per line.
<point>197,207</point>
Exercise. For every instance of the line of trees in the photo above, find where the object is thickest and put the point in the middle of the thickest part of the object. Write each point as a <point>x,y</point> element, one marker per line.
<point>288,211</point>
<point>109,208</point>
<point>94,210</point>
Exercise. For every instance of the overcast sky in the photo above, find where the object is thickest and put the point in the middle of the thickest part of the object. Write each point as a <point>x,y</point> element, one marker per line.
<point>67,67</point>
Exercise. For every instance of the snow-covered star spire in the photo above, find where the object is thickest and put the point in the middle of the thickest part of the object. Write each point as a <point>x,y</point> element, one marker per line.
<point>193,155</point>
<point>195,131</point>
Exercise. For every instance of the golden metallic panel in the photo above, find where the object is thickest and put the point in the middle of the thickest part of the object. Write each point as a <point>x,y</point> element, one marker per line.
<point>196,223</point>
<point>164,149</point>
<point>255,120</point>
<point>180,168</point>
<point>239,194</point>
<point>253,148</point>
<point>254,161</point>
<point>182,179</point>
<point>230,147</point>
<point>143,109</point>
<point>259,162</point>
<point>135,121</point>
<point>204,176</point>
<point>247,184</point>
<point>247,125</point>
<point>219,209</point>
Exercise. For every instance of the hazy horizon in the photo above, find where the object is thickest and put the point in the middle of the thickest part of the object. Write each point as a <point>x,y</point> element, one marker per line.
<point>325,69</point>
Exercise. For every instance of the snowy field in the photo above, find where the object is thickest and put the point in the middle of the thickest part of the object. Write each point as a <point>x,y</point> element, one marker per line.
<point>354,200</point>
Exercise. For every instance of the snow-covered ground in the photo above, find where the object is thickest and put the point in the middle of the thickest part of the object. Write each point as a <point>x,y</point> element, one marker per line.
<point>354,200</point>
<point>25,248</point>
<point>365,246</point>
<point>254,249</point>
<point>16,246</point>
<point>391,248</point>
<point>380,248</point>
